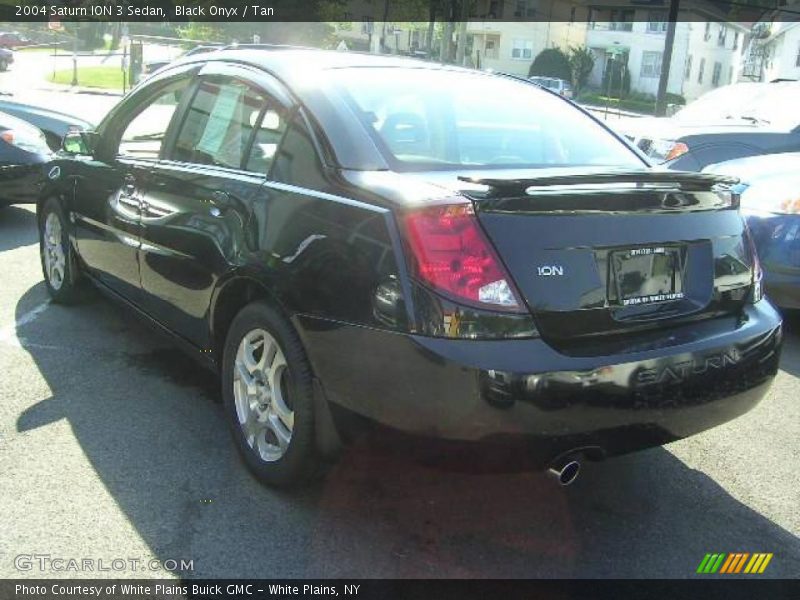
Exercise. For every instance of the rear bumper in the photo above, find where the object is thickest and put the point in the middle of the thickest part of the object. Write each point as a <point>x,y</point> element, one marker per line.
<point>524,391</point>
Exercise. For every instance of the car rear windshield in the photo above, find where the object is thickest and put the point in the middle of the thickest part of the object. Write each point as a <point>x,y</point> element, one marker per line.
<point>442,119</point>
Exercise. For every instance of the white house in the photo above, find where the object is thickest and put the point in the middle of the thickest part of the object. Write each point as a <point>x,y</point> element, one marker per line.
<point>705,54</point>
<point>773,52</point>
<point>499,37</point>
<point>503,35</point>
<point>713,56</point>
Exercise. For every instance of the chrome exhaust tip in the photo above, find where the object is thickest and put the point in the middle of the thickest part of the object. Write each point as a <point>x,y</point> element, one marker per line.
<point>566,472</point>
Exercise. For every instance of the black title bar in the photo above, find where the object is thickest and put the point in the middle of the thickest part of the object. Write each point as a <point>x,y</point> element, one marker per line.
<point>742,11</point>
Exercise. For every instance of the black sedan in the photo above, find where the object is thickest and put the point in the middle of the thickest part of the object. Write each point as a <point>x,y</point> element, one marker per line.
<point>351,238</point>
<point>23,156</point>
<point>54,124</point>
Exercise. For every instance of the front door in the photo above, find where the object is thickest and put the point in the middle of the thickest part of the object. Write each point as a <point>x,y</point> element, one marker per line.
<point>109,192</point>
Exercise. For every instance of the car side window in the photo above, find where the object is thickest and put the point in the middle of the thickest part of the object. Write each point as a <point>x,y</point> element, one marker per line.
<point>219,125</point>
<point>265,143</point>
<point>144,135</point>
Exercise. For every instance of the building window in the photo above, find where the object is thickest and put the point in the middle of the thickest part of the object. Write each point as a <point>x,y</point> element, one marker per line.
<point>716,74</point>
<point>723,33</point>
<point>522,49</point>
<point>490,50</point>
<point>735,40</point>
<point>797,60</point>
<point>621,20</point>
<point>656,22</point>
<point>525,8</point>
<point>700,71</point>
<point>651,64</point>
<point>707,34</point>
<point>688,71</point>
<point>730,74</point>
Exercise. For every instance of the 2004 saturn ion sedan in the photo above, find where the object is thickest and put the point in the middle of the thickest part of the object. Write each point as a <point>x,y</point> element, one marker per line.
<point>452,254</point>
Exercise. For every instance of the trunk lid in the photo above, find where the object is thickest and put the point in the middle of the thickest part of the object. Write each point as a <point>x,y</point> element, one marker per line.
<point>605,253</point>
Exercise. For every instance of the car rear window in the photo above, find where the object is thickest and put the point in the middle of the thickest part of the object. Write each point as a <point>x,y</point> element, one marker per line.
<point>430,118</point>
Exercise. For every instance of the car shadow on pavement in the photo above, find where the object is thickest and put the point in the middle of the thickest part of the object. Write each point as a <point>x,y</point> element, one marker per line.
<point>17,228</point>
<point>147,421</point>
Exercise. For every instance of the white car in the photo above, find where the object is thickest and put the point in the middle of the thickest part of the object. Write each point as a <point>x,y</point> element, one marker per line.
<point>555,84</point>
<point>733,121</point>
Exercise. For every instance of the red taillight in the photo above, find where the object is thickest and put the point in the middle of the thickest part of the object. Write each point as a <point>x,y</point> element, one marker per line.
<point>451,255</point>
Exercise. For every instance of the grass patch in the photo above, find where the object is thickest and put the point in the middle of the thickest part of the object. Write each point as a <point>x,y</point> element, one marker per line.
<point>631,104</point>
<point>107,78</point>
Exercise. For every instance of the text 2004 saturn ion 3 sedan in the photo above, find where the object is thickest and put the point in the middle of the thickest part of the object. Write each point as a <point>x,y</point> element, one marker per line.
<point>452,254</point>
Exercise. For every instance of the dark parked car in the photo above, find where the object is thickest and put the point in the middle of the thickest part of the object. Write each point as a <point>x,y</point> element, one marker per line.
<point>55,125</point>
<point>6,59</point>
<point>348,236</point>
<point>23,157</point>
<point>734,121</point>
<point>13,39</point>
<point>771,204</point>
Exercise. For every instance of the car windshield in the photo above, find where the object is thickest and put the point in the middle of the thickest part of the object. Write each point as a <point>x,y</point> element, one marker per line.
<point>431,118</point>
<point>762,103</point>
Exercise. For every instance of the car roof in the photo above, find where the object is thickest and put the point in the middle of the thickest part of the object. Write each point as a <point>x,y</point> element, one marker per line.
<point>292,64</point>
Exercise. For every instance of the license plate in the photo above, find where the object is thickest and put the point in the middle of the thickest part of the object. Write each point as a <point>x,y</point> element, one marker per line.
<point>647,275</point>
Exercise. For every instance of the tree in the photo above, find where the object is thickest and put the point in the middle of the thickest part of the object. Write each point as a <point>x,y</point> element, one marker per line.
<point>551,62</point>
<point>581,62</point>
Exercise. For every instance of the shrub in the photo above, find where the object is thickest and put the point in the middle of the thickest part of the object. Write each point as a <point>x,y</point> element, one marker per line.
<point>676,99</point>
<point>551,62</point>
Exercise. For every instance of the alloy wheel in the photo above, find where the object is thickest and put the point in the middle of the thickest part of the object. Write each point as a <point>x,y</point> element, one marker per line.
<point>54,258</point>
<point>262,395</point>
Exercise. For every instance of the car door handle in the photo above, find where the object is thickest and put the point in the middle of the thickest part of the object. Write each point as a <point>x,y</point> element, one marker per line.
<point>129,186</point>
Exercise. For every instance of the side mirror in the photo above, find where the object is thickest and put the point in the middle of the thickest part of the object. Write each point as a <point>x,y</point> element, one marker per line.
<point>79,142</point>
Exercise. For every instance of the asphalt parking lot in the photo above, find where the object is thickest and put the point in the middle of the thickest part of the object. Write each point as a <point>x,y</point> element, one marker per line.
<point>112,446</point>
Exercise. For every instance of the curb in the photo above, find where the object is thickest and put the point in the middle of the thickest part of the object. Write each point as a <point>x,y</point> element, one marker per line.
<point>81,90</point>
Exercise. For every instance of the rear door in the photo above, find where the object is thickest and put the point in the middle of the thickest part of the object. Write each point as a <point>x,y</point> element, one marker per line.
<point>198,209</point>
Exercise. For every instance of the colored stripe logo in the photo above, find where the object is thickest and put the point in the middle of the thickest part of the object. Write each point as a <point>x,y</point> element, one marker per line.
<point>735,562</point>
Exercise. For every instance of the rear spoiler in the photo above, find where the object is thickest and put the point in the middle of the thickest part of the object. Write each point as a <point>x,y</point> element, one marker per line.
<point>683,180</point>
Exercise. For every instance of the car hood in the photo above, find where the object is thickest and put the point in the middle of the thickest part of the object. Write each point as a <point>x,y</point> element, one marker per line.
<point>45,118</point>
<point>8,121</point>
<point>673,129</point>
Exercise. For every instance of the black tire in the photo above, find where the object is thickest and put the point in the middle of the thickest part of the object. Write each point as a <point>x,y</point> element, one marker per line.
<point>299,462</point>
<point>69,291</point>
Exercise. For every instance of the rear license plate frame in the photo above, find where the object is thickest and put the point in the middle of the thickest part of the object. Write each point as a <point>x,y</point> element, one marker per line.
<point>647,275</point>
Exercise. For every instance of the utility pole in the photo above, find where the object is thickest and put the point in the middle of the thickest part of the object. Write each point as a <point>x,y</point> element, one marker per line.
<point>462,32</point>
<point>75,56</point>
<point>666,59</point>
